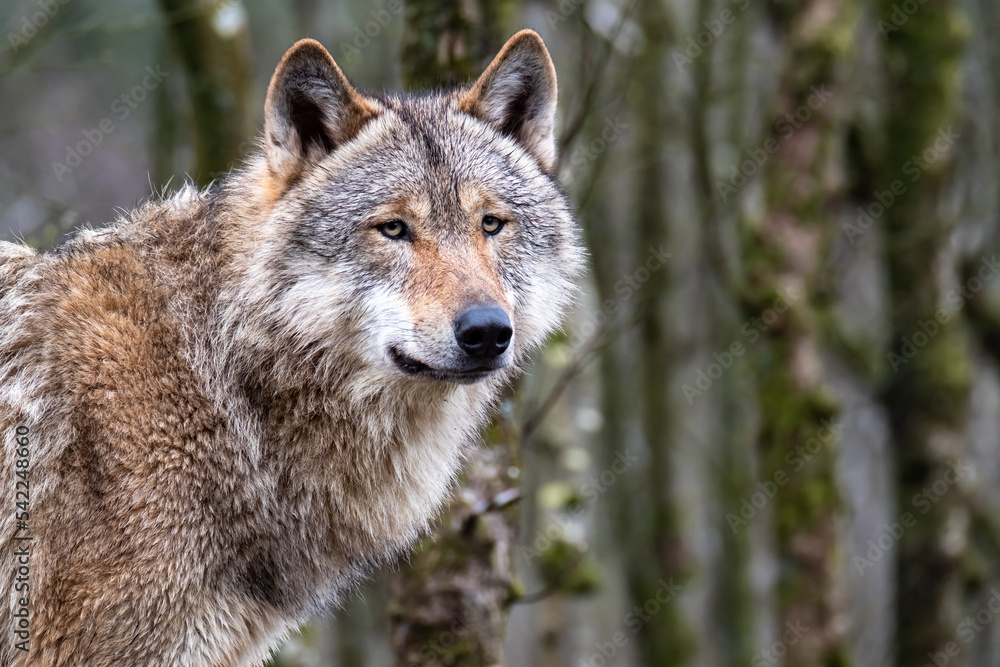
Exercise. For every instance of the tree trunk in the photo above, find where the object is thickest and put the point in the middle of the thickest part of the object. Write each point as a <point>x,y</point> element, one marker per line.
<point>784,294</point>
<point>659,553</point>
<point>449,43</point>
<point>636,365</point>
<point>928,385</point>
<point>210,40</point>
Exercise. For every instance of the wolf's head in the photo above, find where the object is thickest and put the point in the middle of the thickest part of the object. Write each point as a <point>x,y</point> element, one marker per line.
<point>429,231</point>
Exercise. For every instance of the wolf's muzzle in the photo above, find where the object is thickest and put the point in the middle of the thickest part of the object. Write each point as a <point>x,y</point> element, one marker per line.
<point>483,332</point>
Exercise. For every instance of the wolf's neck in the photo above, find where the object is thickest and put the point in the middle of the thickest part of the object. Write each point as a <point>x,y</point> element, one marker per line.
<point>375,466</point>
<point>373,450</point>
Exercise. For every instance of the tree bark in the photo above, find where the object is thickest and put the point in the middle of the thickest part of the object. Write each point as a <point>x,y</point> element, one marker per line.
<point>660,552</point>
<point>210,40</point>
<point>449,43</point>
<point>926,394</point>
<point>784,296</point>
<point>636,365</point>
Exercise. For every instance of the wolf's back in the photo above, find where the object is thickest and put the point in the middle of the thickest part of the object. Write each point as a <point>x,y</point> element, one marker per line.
<point>14,261</point>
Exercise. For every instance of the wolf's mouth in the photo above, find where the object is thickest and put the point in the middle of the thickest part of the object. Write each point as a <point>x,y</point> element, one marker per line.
<point>408,365</point>
<point>411,366</point>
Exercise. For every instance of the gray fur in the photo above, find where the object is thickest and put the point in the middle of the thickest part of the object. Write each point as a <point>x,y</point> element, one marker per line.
<point>221,441</point>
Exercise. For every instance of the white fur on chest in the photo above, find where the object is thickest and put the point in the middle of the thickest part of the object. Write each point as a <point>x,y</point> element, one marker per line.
<point>427,460</point>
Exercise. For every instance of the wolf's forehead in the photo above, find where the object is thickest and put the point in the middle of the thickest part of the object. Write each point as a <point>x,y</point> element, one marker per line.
<point>436,158</point>
<point>443,142</point>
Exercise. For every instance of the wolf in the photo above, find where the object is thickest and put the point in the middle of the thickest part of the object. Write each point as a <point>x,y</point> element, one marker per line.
<point>221,411</point>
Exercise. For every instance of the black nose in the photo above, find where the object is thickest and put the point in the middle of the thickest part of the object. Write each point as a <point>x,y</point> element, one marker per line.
<point>483,331</point>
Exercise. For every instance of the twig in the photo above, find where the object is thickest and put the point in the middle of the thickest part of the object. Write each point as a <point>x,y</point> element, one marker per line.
<point>597,77</point>
<point>499,502</point>
<point>574,368</point>
<point>552,588</point>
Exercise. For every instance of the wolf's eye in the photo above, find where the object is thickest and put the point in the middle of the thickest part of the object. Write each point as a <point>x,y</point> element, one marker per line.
<point>492,224</point>
<point>394,229</point>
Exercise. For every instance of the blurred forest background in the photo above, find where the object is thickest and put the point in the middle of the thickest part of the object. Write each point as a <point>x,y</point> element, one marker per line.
<point>770,433</point>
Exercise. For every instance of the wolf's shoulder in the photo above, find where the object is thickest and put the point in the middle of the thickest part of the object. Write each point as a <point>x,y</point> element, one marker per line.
<point>104,287</point>
<point>15,260</point>
<point>101,258</point>
<point>90,324</point>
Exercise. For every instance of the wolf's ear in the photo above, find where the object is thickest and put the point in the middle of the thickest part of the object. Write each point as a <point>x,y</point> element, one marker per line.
<point>311,109</point>
<point>517,96</point>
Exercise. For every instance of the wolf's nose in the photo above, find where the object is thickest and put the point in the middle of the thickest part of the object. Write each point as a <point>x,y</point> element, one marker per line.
<point>483,331</point>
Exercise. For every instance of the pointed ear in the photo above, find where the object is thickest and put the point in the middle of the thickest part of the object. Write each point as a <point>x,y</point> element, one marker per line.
<point>310,111</point>
<point>517,96</point>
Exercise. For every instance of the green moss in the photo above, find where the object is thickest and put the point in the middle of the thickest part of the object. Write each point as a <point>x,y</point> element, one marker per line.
<point>837,658</point>
<point>793,446</point>
<point>927,394</point>
<point>450,42</point>
<point>565,567</point>
<point>798,428</point>
<point>443,647</point>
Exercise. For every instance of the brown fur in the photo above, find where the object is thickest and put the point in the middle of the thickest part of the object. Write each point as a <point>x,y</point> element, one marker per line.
<point>221,440</point>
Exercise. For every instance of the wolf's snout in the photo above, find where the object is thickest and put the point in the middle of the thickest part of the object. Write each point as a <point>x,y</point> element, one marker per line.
<point>483,332</point>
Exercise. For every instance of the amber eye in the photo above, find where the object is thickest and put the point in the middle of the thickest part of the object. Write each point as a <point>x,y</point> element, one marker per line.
<point>394,229</point>
<point>492,225</point>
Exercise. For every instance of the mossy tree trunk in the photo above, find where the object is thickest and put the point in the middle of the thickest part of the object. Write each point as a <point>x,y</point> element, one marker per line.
<point>784,294</point>
<point>733,603</point>
<point>211,42</point>
<point>650,520</point>
<point>929,374</point>
<point>448,43</point>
